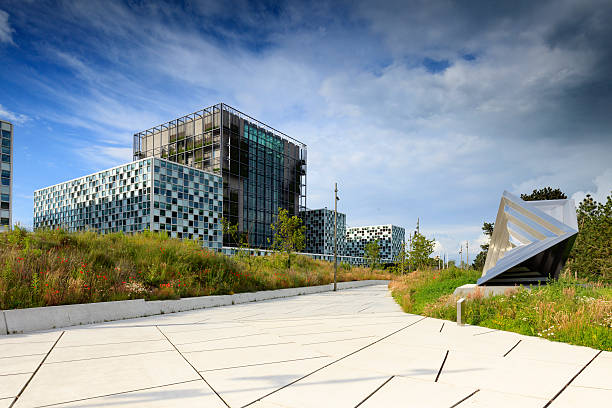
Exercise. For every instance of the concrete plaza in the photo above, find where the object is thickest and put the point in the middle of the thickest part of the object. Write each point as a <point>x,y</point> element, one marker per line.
<point>345,349</point>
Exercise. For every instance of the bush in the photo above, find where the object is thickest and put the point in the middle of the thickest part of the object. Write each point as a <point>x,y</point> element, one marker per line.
<point>53,267</point>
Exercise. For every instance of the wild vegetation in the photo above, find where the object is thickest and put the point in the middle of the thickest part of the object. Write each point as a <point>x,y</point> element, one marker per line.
<point>571,311</point>
<point>54,267</point>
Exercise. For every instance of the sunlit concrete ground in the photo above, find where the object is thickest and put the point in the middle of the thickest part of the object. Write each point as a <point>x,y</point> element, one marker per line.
<point>345,349</point>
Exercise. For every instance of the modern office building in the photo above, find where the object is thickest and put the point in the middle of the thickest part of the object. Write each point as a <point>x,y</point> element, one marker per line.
<point>320,231</point>
<point>153,194</point>
<point>390,239</point>
<point>6,169</point>
<point>262,169</point>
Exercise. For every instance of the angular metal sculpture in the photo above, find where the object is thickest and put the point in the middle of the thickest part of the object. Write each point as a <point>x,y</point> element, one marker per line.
<point>531,241</point>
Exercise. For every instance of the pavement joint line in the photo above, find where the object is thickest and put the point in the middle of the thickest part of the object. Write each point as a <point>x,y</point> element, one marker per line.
<point>335,341</point>
<point>194,369</point>
<point>110,344</point>
<point>35,371</point>
<point>367,307</point>
<point>513,347</point>
<point>442,366</point>
<point>105,357</point>
<point>335,361</point>
<point>460,401</point>
<point>23,355</point>
<point>7,375</point>
<point>260,364</point>
<point>485,332</point>
<point>442,327</point>
<point>572,379</point>
<point>117,393</point>
<point>308,334</point>
<point>376,390</point>
<point>221,338</point>
<point>240,347</point>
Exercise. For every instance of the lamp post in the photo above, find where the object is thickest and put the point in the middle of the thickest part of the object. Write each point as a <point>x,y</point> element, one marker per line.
<point>335,233</point>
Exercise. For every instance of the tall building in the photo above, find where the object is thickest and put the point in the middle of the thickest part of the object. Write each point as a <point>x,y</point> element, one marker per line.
<point>153,194</point>
<point>320,231</point>
<point>6,169</point>
<point>262,169</point>
<point>390,240</point>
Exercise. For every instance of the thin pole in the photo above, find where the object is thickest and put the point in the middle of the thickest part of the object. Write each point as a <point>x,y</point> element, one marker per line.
<point>335,233</point>
<point>467,254</point>
<point>461,257</point>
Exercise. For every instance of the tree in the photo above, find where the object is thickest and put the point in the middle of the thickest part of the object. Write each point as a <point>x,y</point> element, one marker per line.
<point>402,261</point>
<point>288,233</point>
<point>420,251</point>
<point>591,255</point>
<point>546,193</point>
<point>372,254</point>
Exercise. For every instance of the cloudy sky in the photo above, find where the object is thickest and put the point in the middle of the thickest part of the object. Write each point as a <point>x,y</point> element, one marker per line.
<point>426,109</point>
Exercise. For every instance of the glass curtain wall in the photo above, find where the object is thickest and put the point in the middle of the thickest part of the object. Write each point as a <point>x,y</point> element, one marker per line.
<point>262,168</point>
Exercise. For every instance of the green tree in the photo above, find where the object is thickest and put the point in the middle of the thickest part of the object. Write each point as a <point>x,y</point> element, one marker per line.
<point>372,254</point>
<point>546,193</point>
<point>402,261</point>
<point>420,251</point>
<point>288,234</point>
<point>591,255</point>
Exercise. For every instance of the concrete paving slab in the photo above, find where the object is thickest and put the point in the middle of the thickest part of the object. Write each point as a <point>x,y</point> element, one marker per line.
<point>6,402</point>
<point>341,348</point>
<point>583,397</point>
<point>409,361</point>
<point>487,399</point>
<point>108,335</point>
<point>545,350</point>
<point>65,382</point>
<point>190,394</point>
<point>10,385</point>
<point>241,386</point>
<point>236,357</point>
<point>531,378</point>
<point>20,365</point>
<point>243,358</point>
<point>24,349</point>
<point>598,374</point>
<point>409,392</point>
<point>84,352</point>
<point>250,340</point>
<point>335,386</point>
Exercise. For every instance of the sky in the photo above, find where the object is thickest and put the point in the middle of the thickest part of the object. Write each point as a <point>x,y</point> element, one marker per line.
<point>418,109</point>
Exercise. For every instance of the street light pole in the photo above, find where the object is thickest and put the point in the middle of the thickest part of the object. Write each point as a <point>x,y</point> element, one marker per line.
<point>467,254</point>
<point>335,233</point>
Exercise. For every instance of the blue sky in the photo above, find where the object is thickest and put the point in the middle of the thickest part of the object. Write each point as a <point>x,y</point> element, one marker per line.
<point>424,109</point>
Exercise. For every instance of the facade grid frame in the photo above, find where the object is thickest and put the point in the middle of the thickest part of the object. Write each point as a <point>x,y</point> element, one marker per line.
<point>6,173</point>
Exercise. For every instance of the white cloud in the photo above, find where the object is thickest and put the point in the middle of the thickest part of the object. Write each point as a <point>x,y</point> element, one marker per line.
<point>16,118</point>
<point>603,188</point>
<point>100,157</point>
<point>6,32</point>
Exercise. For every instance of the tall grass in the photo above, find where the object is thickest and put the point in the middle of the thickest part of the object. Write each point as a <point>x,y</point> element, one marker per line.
<point>565,310</point>
<point>54,267</point>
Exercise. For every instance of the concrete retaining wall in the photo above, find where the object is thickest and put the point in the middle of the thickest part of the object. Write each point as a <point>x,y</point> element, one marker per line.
<point>51,317</point>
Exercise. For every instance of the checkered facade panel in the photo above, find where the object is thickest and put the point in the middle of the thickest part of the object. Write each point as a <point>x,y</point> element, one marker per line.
<point>390,239</point>
<point>6,173</point>
<point>149,194</point>
<point>320,231</point>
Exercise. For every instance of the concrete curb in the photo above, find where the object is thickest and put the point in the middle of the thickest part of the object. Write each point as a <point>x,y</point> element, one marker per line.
<point>52,317</point>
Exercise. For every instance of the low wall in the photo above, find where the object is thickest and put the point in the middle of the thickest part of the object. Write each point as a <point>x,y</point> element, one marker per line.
<point>52,317</point>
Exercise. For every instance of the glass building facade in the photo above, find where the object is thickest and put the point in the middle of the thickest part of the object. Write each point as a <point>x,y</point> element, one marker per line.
<point>153,194</point>
<point>262,169</point>
<point>320,231</point>
<point>390,239</point>
<point>6,173</point>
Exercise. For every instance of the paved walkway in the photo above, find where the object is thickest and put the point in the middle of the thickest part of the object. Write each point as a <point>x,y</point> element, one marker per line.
<point>346,349</point>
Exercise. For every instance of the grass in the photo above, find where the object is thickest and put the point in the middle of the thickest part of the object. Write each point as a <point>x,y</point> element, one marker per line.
<point>53,267</point>
<point>566,310</point>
